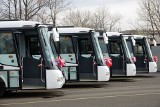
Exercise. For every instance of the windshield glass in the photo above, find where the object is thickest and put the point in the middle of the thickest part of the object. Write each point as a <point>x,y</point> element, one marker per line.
<point>98,49</point>
<point>53,47</point>
<point>48,50</point>
<point>126,50</point>
<point>7,50</point>
<point>103,46</point>
<point>148,50</point>
<point>129,44</point>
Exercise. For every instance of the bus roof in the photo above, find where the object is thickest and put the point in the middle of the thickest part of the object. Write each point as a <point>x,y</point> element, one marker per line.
<point>118,34</point>
<point>74,30</point>
<point>113,33</point>
<point>136,36</point>
<point>18,24</point>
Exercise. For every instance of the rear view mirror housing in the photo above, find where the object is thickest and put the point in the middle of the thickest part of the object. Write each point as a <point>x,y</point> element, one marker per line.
<point>154,42</point>
<point>55,34</point>
<point>133,41</point>
<point>105,38</point>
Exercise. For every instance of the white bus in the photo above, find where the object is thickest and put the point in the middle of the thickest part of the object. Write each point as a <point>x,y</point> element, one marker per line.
<point>81,51</point>
<point>26,58</point>
<point>140,48</point>
<point>123,63</point>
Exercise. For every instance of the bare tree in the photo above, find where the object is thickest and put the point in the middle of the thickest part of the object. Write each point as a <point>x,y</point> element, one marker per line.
<point>55,7</point>
<point>149,13</point>
<point>100,19</point>
<point>77,18</point>
<point>15,3</point>
<point>114,21</point>
<point>103,19</point>
<point>6,9</point>
<point>0,12</point>
<point>43,17</point>
<point>22,9</point>
<point>32,7</point>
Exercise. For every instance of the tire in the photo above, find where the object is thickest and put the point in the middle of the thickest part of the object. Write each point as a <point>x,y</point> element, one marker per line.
<point>2,88</point>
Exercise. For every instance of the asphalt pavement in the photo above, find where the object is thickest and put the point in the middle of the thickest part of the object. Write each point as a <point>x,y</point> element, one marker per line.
<point>140,91</point>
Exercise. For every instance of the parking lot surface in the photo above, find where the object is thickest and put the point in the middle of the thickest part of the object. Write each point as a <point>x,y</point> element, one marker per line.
<point>140,91</point>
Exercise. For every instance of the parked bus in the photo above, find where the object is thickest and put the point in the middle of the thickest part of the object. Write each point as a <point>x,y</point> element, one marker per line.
<point>140,48</point>
<point>26,58</point>
<point>81,51</point>
<point>123,63</point>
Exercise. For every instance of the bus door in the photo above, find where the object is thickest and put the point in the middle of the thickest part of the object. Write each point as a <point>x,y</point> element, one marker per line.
<point>117,56</point>
<point>67,52</point>
<point>86,57</point>
<point>33,69</point>
<point>141,56</point>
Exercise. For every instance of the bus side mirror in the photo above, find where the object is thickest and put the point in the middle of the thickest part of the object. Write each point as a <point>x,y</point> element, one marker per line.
<point>154,42</point>
<point>105,38</point>
<point>133,41</point>
<point>55,34</point>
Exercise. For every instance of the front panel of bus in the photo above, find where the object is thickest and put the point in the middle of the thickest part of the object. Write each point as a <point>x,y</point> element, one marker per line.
<point>128,51</point>
<point>145,62</point>
<point>103,70</point>
<point>39,68</point>
<point>81,49</point>
<point>54,77</point>
<point>152,64</point>
<point>122,63</point>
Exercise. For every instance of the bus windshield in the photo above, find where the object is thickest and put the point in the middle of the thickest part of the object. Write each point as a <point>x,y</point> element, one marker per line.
<point>103,46</point>
<point>148,49</point>
<point>49,49</point>
<point>129,44</point>
<point>7,50</point>
<point>53,47</point>
<point>98,49</point>
<point>126,50</point>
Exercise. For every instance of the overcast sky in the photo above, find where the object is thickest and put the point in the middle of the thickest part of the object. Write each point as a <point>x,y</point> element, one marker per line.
<point>127,8</point>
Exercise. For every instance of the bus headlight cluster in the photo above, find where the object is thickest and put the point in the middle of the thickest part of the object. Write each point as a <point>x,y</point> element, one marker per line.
<point>60,79</point>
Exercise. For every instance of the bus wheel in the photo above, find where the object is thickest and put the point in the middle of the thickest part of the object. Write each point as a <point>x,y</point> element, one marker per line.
<point>2,88</point>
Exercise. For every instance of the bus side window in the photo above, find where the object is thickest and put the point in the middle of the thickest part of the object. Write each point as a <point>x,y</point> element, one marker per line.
<point>66,45</point>
<point>85,47</point>
<point>7,49</point>
<point>34,48</point>
<point>139,49</point>
<point>6,44</point>
<point>114,48</point>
